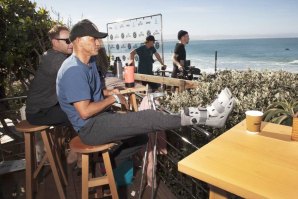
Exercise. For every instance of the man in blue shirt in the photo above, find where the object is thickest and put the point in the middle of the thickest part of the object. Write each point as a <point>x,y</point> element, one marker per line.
<point>82,97</point>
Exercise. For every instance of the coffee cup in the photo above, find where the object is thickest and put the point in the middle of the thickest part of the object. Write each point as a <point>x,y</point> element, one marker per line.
<point>253,121</point>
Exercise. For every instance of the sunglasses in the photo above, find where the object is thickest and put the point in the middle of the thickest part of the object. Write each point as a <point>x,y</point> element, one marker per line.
<point>67,41</point>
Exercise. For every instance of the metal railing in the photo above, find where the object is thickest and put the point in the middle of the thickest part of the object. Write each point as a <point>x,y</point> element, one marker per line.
<point>10,115</point>
<point>180,144</point>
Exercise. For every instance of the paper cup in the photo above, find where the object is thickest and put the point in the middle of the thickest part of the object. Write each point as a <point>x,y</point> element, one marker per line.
<point>253,121</point>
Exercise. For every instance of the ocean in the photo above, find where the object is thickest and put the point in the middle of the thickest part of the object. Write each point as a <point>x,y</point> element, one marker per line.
<point>240,54</point>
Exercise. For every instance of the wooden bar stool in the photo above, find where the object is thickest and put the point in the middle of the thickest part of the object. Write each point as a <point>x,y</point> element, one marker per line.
<point>55,163</point>
<point>78,146</point>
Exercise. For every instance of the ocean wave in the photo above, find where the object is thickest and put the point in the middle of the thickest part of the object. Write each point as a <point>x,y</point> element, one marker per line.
<point>206,64</point>
<point>294,62</point>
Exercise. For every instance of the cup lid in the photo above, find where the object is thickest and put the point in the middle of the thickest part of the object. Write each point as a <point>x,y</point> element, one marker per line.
<point>254,113</point>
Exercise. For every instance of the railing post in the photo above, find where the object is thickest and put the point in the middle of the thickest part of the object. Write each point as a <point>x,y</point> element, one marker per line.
<point>215,66</point>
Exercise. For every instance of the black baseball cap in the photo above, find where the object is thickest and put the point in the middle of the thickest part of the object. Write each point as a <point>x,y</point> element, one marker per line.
<point>181,33</point>
<point>150,38</point>
<point>85,28</point>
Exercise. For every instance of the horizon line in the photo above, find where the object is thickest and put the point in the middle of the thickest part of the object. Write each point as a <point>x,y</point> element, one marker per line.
<point>168,37</point>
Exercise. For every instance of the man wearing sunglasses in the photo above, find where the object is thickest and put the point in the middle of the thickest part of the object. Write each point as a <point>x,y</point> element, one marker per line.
<point>42,107</point>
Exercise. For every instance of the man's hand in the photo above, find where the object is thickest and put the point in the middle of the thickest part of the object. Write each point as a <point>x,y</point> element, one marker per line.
<point>107,92</point>
<point>164,67</point>
<point>180,68</point>
<point>131,63</point>
<point>114,91</point>
<point>122,100</point>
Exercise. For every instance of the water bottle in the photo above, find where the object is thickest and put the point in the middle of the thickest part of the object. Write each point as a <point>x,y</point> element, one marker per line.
<point>119,69</point>
<point>129,76</point>
<point>115,66</point>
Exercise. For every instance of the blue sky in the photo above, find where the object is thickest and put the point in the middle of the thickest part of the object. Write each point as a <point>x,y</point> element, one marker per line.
<point>215,19</point>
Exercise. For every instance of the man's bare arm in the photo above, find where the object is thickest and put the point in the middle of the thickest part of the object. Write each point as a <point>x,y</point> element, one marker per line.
<point>157,55</point>
<point>132,57</point>
<point>176,62</point>
<point>87,109</point>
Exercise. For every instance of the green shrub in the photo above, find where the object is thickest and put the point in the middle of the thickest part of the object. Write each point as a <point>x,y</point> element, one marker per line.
<point>252,90</point>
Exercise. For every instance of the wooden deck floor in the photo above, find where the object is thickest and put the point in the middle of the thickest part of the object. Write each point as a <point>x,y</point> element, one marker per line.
<point>12,186</point>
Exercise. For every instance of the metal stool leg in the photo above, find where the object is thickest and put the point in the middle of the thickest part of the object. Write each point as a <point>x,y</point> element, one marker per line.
<point>153,105</point>
<point>154,166</point>
<point>143,171</point>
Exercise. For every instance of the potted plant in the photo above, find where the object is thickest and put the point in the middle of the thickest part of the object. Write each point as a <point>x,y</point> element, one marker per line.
<point>281,112</point>
<point>295,127</point>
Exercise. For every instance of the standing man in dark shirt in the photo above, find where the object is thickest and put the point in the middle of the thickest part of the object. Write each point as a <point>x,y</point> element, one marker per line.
<point>42,107</point>
<point>145,54</point>
<point>146,61</point>
<point>179,56</point>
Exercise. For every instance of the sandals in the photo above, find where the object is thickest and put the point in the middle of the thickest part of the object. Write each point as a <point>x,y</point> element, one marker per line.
<point>214,115</point>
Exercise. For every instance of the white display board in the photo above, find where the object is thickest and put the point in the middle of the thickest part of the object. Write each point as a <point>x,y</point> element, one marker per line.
<point>124,36</point>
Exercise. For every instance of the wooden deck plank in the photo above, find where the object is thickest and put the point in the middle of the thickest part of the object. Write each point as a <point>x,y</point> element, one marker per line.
<point>15,182</point>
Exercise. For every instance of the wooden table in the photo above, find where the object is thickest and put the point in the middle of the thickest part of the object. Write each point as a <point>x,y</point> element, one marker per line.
<point>179,83</point>
<point>264,165</point>
<point>114,82</point>
<point>132,94</point>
